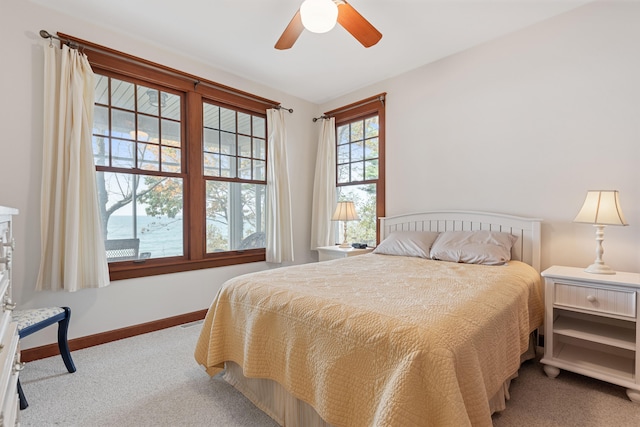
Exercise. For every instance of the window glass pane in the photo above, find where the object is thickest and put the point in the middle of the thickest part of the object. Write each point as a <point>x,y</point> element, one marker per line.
<point>259,149</point>
<point>123,154</point>
<point>122,94</point>
<point>211,164</point>
<point>259,127</point>
<point>343,173</point>
<point>244,168</point>
<point>364,198</point>
<point>101,120</point>
<point>235,216</point>
<point>357,171</point>
<point>148,100</point>
<point>170,107</point>
<point>171,133</point>
<point>357,151</point>
<point>102,90</point>
<point>148,129</point>
<point>123,124</point>
<point>217,196</point>
<point>244,123</point>
<point>343,134</point>
<point>259,170</point>
<point>371,148</point>
<point>171,159</point>
<point>211,140</point>
<point>211,116</point>
<point>371,169</point>
<point>343,153</point>
<point>357,131</point>
<point>228,143</point>
<point>227,120</point>
<point>244,146</point>
<point>155,219</point>
<point>148,157</point>
<point>100,151</point>
<point>371,127</point>
<point>228,166</point>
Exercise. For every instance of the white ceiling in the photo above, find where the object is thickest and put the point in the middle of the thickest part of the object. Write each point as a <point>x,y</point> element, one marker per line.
<point>238,35</point>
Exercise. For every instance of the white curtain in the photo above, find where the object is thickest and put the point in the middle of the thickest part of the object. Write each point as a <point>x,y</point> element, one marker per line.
<point>324,187</point>
<point>279,224</point>
<point>72,248</point>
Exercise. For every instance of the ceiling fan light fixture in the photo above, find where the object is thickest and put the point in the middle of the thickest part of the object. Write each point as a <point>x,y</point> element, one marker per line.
<point>319,16</point>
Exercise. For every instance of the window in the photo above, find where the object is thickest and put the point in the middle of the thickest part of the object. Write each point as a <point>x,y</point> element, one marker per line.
<point>137,148</point>
<point>360,165</point>
<point>235,157</point>
<point>180,165</point>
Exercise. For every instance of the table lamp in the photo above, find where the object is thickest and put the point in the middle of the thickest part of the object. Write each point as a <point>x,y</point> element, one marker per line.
<point>345,211</point>
<point>601,207</point>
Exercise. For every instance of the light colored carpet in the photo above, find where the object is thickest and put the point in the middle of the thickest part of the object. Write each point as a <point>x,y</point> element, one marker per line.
<point>153,380</point>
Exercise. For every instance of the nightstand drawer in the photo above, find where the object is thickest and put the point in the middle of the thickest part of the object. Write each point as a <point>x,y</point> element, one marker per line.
<point>604,300</point>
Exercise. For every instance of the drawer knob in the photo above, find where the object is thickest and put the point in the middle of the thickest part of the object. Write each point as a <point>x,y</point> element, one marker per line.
<point>591,298</point>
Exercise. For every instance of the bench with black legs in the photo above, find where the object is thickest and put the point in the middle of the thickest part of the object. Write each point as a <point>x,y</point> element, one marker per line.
<point>33,320</point>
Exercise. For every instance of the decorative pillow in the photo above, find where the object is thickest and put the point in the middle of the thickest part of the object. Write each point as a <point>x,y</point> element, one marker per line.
<point>473,247</point>
<point>407,243</point>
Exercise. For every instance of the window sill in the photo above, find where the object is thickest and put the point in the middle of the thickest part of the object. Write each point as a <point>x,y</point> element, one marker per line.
<point>133,269</point>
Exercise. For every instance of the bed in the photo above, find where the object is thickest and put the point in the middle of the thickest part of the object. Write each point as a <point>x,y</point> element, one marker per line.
<point>391,338</point>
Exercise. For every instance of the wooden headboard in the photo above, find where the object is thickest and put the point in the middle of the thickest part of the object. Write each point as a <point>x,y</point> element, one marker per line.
<point>526,248</point>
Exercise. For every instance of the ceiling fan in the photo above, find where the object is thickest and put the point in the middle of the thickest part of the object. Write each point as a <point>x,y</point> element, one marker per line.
<point>320,16</point>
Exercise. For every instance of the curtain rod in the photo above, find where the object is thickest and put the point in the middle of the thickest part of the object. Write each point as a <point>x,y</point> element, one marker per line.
<point>74,44</point>
<point>280,107</point>
<point>46,35</point>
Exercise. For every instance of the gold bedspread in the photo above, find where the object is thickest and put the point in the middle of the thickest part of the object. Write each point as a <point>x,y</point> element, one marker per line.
<point>379,340</point>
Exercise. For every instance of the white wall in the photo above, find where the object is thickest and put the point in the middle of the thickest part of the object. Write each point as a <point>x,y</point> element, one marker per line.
<point>526,124</point>
<point>127,302</point>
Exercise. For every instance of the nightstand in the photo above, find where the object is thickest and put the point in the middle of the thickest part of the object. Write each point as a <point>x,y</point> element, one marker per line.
<point>591,326</point>
<point>325,253</point>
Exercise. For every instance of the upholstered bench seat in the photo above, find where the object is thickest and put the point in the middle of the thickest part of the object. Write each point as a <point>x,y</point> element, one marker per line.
<point>32,320</point>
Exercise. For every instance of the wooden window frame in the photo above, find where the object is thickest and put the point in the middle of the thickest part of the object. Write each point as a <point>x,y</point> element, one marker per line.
<point>196,91</point>
<point>368,107</point>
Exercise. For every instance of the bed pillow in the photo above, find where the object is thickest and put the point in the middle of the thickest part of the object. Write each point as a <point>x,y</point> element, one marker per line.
<point>407,243</point>
<point>473,247</point>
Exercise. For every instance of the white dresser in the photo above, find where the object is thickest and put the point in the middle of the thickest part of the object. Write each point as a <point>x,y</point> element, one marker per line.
<point>9,350</point>
<point>591,326</point>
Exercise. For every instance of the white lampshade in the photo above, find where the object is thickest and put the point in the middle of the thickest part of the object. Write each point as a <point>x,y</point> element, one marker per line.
<point>319,16</point>
<point>601,207</point>
<point>345,211</point>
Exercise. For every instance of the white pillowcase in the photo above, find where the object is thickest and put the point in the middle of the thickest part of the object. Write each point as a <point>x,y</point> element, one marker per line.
<point>473,247</point>
<point>407,243</point>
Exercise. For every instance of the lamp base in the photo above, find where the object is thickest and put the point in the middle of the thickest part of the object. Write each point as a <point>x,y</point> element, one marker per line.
<point>344,245</point>
<point>601,268</point>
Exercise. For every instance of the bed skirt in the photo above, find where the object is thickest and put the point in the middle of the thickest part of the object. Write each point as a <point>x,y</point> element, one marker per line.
<point>288,411</point>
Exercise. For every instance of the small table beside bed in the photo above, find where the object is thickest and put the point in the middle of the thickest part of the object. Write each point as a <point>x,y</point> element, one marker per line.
<point>428,330</point>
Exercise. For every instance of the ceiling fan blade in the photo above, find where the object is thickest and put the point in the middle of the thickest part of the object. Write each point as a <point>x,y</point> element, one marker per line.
<point>357,25</point>
<point>291,33</point>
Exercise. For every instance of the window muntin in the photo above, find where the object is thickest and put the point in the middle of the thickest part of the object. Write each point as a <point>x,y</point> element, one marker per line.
<point>234,144</point>
<point>357,151</point>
